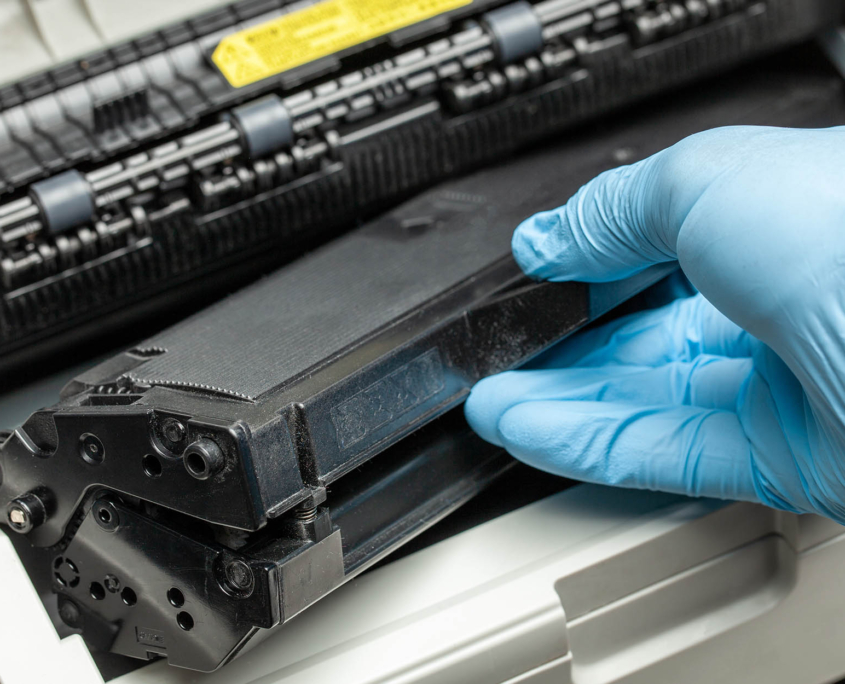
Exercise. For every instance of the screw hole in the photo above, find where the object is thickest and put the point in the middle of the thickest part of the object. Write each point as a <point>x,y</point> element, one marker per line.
<point>185,621</point>
<point>98,593</point>
<point>65,572</point>
<point>130,598</point>
<point>106,515</point>
<point>196,464</point>
<point>152,466</point>
<point>174,434</point>
<point>91,449</point>
<point>176,598</point>
<point>112,584</point>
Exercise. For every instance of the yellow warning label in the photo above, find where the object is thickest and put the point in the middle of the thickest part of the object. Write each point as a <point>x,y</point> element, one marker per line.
<point>324,28</point>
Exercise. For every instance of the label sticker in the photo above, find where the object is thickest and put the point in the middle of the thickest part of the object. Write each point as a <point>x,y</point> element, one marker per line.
<point>327,27</point>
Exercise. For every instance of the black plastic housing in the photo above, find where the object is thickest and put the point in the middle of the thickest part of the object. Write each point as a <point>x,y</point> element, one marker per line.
<point>210,213</point>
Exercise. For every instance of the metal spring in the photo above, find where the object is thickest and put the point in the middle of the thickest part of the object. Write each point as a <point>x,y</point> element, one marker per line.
<point>305,515</point>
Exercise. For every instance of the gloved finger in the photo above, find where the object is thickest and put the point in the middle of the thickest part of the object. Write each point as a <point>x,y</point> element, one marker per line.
<point>600,234</point>
<point>724,203</point>
<point>711,382</point>
<point>679,331</point>
<point>629,218</point>
<point>678,449</point>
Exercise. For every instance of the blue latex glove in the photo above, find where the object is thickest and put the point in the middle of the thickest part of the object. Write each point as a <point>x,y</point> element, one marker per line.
<point>682,399</point>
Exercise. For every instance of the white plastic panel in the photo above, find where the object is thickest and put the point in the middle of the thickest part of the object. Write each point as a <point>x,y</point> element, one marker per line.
<point>118,20</point>
<point>22,50</point>
<point>30,649</point>
<point>37,34</point>
<point>65,27</point>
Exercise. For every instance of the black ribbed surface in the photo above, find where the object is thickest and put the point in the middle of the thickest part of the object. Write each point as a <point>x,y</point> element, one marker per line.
<point>324,303</point>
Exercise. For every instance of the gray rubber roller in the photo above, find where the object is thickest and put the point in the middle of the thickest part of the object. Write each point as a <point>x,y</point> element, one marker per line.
<point>517,30</point>
<point>66,200</point>
<point>265,124</point>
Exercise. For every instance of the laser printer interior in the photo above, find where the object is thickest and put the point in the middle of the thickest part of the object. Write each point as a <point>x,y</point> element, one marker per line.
<point>138,174</point>
<point>305,437</point>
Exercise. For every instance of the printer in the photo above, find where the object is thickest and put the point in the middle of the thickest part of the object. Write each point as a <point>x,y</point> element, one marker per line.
<point>281,487</point>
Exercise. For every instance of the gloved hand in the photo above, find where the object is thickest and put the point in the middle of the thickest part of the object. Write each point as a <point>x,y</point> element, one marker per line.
<point>683,399</point>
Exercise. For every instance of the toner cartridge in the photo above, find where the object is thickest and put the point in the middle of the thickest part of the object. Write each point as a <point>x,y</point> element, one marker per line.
<point>231,141</point>
<point>187,497</point>
<point>255,445</point>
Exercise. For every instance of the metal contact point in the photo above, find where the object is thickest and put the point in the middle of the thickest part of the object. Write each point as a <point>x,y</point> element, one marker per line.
<point>26,513</point>
<point>17,517</point>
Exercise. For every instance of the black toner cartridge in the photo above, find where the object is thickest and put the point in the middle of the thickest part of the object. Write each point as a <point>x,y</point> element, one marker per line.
<point>231,141</point>
<point>188,496</point>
